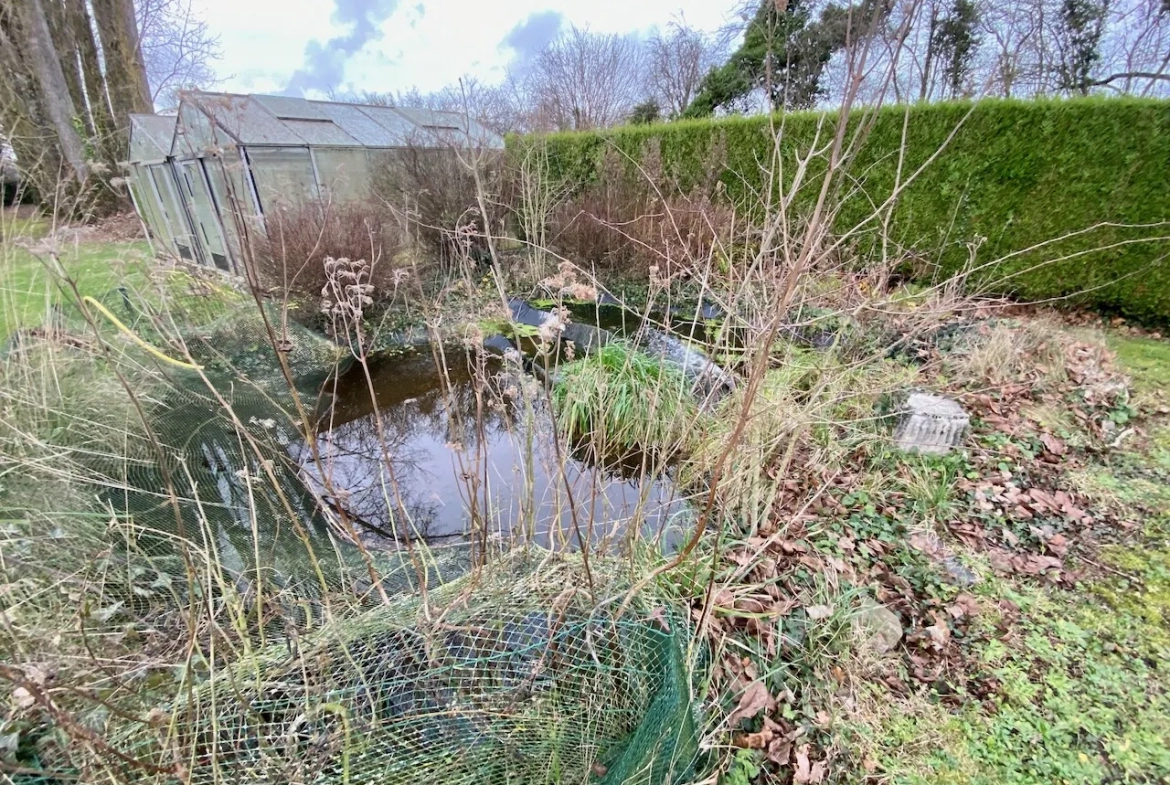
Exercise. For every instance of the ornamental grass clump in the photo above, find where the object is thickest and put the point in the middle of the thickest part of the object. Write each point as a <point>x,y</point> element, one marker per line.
<point>621,401</point>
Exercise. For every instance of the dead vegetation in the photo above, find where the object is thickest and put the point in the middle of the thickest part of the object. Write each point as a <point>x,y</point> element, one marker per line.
<point>290,261</point>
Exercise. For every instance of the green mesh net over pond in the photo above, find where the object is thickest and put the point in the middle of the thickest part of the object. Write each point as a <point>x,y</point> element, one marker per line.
<point>511,675</point>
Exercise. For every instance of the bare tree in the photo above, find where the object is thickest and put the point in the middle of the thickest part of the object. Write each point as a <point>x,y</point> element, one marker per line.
<point>177,48</point>
<point>677,61</point>
<point>1135,48</point>
<point>585,80</point>
<point>497,107</point>
<point>1010,31</point>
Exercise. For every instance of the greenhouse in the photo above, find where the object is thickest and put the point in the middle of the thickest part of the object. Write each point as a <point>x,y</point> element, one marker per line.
<point>206,178</point>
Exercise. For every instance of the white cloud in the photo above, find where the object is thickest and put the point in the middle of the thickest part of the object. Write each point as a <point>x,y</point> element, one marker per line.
<point>426,45</point>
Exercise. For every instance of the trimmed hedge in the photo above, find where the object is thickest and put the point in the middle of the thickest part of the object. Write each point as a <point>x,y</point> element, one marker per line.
<point>1017,173</point>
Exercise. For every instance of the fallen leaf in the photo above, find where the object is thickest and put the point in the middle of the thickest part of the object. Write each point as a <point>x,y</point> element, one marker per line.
<point>805,771</point>
<point>1058,544</point>
<point>1035,564</point>
<point>658,616</point>
<point>939,632</point>
<point>598,770</point>
<point>723,598</point>
<point>752,605</point>
<point>1001,560</point>
<point>742,557</point>
<point>819,612</point>
<point>23,698</point>
<point>756,698</point>
<point>964,605</point>
<point>927,542</point>
<point>752,741</point>
<point>780,751</point>
<point>1053,444</point>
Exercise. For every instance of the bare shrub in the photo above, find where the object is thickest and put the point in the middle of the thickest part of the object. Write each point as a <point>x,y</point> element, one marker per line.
<point>291,259</point>
<point>632,218</point>
<point>435,191</point>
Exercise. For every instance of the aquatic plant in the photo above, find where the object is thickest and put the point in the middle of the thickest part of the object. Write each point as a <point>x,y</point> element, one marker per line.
<point>624,401</point>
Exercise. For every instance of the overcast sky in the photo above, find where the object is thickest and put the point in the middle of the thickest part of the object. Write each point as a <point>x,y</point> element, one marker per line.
<point>306,46</point>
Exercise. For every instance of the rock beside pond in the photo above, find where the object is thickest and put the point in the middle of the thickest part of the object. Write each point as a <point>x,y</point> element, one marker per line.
<point>879,626</point>
<point>707,379</point>
<point>931,424</point>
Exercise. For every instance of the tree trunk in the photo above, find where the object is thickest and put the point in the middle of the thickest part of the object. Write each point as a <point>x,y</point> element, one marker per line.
<point>51,88</point>
<point>21,115</point>
<point>924,92</point>
<point>125,71</point>
<point>63,42</point>
<point>105,132</point>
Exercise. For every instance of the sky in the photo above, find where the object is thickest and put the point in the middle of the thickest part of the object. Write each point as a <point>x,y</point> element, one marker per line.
<point>304,47</point>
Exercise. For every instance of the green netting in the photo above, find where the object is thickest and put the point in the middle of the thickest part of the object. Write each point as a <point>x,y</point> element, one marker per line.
<point>510,675</point>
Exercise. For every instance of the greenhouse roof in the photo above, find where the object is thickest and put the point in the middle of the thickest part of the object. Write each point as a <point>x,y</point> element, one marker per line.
<point>271,120</point>
<point>150,137</point>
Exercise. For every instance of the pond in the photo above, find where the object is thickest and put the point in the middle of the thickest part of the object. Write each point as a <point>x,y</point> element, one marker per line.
<point>447,445</point>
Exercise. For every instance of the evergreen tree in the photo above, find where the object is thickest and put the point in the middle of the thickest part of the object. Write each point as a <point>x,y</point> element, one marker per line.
<point>784,52</point>
<point>955,41</point>
<point>1082,22</point>
<point>646,113</point>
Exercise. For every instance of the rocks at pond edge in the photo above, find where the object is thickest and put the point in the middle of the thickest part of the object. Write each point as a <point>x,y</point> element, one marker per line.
<point>930,424</point>
<point>878,625</point>
<point>708,380</point>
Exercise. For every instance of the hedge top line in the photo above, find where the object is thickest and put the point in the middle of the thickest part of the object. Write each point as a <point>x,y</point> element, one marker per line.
<point>777,120</point>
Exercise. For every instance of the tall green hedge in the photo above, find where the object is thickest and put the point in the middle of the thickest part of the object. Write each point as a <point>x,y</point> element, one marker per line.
<point>1015,173</point>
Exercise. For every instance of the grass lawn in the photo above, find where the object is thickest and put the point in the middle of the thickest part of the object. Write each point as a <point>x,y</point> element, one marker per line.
<point>1066,682</point>
<point>29,291</point>
<point>1148,360</point>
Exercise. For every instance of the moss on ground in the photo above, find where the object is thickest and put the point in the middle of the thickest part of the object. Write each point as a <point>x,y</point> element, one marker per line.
<point>1080,699</point>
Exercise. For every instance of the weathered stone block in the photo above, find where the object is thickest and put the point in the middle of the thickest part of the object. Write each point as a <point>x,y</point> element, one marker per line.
<point>931,424</point>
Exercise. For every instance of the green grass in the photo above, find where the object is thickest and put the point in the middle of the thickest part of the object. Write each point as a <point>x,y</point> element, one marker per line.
<point>625,400</point>
<point>1146,359</point>
<point>1079,692</point>
<point>29,292</point>
<point>22,223</point>
<point>1082,700</point>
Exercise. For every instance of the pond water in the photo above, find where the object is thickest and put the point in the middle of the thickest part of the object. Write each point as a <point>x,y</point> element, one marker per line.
<point>454,445</point>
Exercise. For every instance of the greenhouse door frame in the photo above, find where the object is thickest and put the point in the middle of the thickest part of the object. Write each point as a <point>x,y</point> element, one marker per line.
<point>160,204</point>
<point>179,197</point>
<point>199,175</point>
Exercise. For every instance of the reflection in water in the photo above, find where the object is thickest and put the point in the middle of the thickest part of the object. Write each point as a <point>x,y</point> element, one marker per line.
<point>466,448</point>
